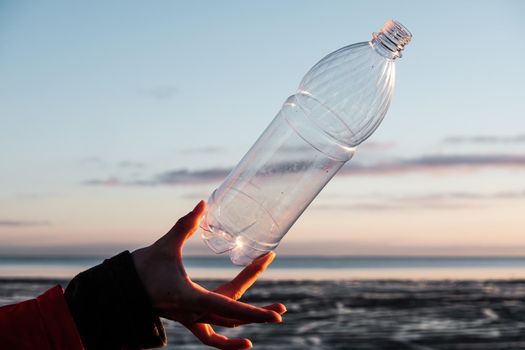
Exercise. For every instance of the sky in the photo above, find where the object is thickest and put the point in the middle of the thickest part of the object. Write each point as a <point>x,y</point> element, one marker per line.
<point>104,104</point>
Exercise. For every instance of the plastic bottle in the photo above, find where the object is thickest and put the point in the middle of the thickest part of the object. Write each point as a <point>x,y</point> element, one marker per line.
<point>339,104</point>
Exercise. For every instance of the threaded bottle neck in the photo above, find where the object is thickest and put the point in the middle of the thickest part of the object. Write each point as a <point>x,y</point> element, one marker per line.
<point>391,39</point>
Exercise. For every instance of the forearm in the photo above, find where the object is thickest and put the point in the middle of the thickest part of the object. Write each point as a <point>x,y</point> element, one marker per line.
<point>111,308</point>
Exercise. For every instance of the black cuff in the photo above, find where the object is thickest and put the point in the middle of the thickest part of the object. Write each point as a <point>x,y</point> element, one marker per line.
<point>111,308</point>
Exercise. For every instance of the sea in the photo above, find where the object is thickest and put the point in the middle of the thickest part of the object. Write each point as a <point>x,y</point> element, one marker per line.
<point>418,303</point>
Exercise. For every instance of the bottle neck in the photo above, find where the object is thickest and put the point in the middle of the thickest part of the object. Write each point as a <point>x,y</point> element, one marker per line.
<point>391,39</point>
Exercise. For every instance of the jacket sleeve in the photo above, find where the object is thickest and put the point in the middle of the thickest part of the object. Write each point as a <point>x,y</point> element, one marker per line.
<point>42,323</point>
<point>111,308</point>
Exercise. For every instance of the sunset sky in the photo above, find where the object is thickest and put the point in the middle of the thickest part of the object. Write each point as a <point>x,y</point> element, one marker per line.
<point>118,116</point>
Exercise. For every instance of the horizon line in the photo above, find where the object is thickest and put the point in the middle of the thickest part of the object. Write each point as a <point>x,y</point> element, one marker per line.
<point>294,256</point>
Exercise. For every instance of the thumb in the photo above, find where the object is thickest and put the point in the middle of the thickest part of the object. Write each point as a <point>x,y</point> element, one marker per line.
<point>187,225</point>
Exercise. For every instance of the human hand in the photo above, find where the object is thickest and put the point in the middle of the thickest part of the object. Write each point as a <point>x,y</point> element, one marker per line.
<point>175,296</point>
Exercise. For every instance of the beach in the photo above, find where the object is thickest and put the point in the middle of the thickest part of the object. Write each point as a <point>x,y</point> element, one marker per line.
<point>362,314</point>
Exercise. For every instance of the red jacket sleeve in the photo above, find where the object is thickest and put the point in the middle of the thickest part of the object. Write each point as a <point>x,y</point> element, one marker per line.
<point>43,323</point>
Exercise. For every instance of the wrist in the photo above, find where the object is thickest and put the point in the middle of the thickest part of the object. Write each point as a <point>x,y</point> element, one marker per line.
<point>110,306</point>
<point>142,262</point>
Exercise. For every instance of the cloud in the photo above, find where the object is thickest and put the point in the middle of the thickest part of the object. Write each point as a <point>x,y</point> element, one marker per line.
<point>394,205</point>
<point>109,182</point>
<point>437,164</point>
<point>441,200</point>
<point>23,223</point>
<point>172,177</point>
<point>185,176</point>
<point>162,92</point>
<point>484,139</point>
<point>98,162</point>
<point>357,206</point>
<point>466,196</point>
<point>64,250</point>
<point>441,164</point>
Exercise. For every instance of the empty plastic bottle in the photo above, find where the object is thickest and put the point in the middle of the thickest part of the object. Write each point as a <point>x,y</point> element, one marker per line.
<point>339,104</point>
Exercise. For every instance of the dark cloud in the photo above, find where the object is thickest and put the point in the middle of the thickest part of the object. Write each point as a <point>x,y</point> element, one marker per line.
<point>99,162</point>
<point>466,196</point>
<point>185,176</point>
<point>365,247</point>
<point>436,163</point>
<point>485,139</point>
<point>395,205</point>
<point>444,200</point>
<point>23,223</point>
<point>64,250</point>
<point>357,206</point>
<point>425,164</point>
<point>173,177</point>
<point>110,182</point>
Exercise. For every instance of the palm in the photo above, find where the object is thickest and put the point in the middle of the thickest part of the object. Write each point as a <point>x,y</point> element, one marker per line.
<point>176,297</point>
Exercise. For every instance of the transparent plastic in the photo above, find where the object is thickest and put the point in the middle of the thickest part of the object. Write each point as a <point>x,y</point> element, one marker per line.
<point>339,104</point>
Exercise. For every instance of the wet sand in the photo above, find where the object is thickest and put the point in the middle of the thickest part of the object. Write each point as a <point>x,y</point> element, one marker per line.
<point>366,314</point>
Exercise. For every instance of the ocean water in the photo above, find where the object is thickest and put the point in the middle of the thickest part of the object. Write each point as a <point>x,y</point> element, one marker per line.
<point>298,268</point>
<point>362,314</point>
<point>378,303</point>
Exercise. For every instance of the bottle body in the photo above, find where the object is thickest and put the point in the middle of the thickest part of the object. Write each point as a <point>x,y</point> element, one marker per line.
<point>339,103</point>
<point>272,185</point>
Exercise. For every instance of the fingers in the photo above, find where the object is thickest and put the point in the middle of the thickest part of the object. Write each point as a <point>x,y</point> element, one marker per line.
<point>205,333</point>
<point>244,280</point>
<point>222,321</point>
<point>279,308</point>
<point>187,225</point>
<point>223,306</point>
<point>231,323</point>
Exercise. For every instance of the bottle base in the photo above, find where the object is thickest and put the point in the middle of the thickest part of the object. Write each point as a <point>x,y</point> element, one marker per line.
<point>218,243</point>
<point>240,249</point>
